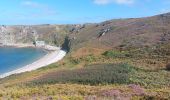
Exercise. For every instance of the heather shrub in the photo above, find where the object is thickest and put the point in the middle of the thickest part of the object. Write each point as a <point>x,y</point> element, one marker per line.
<point>93,74</point>
<point>111,93</point>
<point>137,89</point>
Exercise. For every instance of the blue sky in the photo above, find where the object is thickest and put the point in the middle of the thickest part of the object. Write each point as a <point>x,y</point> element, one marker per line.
<point>15,12</point>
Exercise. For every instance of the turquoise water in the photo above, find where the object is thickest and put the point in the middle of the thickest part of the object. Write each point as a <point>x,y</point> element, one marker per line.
<point>14,58</point>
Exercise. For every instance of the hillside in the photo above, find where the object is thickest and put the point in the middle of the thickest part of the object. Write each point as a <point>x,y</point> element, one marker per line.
<point>119,59</point>
<point>137,32</point>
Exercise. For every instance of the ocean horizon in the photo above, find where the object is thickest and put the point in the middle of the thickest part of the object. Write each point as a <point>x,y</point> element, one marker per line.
<point>12,58</point>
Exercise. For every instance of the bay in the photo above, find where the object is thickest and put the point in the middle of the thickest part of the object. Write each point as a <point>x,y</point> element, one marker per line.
<point>13,58</point>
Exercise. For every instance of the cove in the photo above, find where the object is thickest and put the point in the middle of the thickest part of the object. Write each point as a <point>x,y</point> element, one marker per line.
<point>13,58</point>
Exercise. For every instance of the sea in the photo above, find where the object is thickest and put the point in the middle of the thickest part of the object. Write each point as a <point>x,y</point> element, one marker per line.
<point>14,58</point>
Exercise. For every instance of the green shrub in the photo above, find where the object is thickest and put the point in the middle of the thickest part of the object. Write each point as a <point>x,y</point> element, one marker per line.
<point>75,61</point>
<point>93,74</point>
<point>116,54</point>
<point>90,58</point>
<point>112,54</point>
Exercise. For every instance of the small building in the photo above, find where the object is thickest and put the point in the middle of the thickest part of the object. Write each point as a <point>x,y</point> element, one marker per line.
<point>39,43</point>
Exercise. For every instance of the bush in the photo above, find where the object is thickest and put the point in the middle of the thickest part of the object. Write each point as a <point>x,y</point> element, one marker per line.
<point>90,58</point>
<point>75,61</point>
<point>93,74</point>
<point>116,54</point>
<point>168,67</point>
<point>112,54</point>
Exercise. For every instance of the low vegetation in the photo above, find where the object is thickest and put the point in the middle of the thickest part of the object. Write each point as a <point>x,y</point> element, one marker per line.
<point>116,54</point>
<point>93,75</point>
<point>131,73</point>
<point>168,67</point>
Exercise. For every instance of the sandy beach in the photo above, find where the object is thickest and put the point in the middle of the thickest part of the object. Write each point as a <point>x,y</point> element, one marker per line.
<point>48,59</point>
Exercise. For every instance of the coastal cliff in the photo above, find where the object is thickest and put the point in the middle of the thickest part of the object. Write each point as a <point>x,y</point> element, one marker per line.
<point>120,58</point>
<point>51,34</point>
<point>119,33</point>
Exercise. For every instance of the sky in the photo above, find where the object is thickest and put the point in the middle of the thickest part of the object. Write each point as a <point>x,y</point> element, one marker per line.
<point>29,12</point>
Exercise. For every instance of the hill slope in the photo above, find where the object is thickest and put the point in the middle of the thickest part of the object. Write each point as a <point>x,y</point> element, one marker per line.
<point>135,32</point>
<point>116,59</point>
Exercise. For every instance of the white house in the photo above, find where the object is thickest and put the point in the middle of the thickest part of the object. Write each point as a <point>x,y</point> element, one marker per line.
<point>40,43</point>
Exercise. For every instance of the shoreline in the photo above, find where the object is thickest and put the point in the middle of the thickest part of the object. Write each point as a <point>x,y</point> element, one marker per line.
<point>22,45</point>
<point>54,56</point>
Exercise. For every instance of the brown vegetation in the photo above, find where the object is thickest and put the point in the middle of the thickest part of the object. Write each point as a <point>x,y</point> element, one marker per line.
<point>168,66</point>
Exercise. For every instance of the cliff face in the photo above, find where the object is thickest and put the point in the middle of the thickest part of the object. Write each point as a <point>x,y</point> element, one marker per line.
<point>51,34</point>
<point>6,37</point>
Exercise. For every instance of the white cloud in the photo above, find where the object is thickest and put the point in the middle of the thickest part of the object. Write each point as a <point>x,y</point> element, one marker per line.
<point>42,8</point>
<point>165,10</point>
<point>31,4</point>
<point>104,2</point>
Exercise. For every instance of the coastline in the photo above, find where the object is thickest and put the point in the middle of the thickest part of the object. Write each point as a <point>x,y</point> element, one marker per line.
<point>18,45</point>
<point>55,55</point>
<point>22,45</point>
